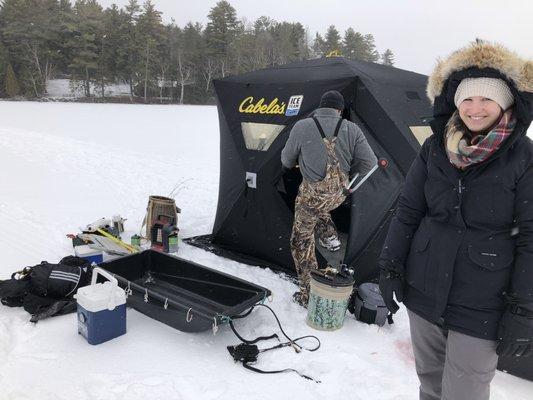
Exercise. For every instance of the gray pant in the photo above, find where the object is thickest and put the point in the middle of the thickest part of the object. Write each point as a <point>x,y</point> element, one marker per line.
<point>451,365</point>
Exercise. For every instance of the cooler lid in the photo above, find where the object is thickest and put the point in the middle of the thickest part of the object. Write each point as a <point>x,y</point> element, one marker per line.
<point>101,296</point>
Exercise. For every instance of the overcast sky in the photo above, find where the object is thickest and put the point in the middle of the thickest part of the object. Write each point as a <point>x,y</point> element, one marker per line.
<point>417,31</point>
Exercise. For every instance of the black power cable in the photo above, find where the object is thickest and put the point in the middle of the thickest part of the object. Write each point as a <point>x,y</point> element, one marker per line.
<point>247,352</point>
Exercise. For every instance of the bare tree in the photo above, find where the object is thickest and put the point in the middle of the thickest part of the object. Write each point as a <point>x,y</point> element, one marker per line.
<point>185,75</point>
<point>42,69</point>
<point>208,72</point>
<point>223,68</point>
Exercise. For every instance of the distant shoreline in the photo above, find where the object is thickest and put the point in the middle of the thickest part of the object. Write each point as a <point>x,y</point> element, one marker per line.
<point>100,100</point>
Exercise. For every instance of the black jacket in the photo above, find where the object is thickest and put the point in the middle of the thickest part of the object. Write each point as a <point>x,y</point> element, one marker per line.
<point>463,240</point>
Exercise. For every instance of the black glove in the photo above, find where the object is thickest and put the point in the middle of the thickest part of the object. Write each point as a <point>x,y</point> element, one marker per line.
<point>391,282</point>
<point>515,333</point>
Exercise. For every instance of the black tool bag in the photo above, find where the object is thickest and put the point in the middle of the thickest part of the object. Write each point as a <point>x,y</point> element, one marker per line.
<point>45,289</point>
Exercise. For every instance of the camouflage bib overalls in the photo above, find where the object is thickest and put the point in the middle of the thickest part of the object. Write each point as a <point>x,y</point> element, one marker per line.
<point>314,202</point>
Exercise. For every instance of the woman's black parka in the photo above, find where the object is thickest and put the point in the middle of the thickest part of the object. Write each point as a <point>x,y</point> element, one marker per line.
<point>463,240</point>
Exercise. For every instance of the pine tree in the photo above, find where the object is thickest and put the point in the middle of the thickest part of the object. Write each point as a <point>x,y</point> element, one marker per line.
<point>319,46</point>
<point>387,58</point>
<point>263,24</point>
<point>114,47</point>
<point>371,54</point>
<point>286,45</point>
<point>264,43</point>
<point>220,33</point>
<point>241,49</point>
<point>297,37</point>
<point>52,39</point>
<point>332,42</point>
<point>86,44</point>
<point>133,9</point>
<point>150,33</point>
<point>131,46</point>
<point>301,38</point>
<point>353,46</point>
<point>67,27</point>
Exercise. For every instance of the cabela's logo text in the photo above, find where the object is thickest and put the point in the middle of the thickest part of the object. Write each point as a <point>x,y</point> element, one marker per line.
<point>248,106</point>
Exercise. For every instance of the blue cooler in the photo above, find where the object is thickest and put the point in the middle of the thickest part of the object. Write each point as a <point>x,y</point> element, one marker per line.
<point>90,254</point>
<point>101,309</point>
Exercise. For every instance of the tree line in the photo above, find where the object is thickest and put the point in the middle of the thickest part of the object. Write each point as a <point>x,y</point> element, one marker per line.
<point>95,47</point>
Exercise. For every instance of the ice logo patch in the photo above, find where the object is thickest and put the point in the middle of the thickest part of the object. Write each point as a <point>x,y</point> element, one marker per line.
<point>293,108</point>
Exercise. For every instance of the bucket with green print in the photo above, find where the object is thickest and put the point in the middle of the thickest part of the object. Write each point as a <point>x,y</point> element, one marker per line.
<point>328,300</point>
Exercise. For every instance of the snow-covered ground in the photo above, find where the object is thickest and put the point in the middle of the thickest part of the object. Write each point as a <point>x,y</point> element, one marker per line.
<point>65,165</point>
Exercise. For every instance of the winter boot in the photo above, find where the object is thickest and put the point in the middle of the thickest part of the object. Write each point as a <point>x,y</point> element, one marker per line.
<point>331,243</point>
<point>300,299</point>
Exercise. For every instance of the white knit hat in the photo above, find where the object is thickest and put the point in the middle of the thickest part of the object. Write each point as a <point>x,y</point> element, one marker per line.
<point>491,88</point>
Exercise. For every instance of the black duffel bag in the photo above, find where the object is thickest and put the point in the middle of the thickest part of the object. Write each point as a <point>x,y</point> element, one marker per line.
<point>45,289</point>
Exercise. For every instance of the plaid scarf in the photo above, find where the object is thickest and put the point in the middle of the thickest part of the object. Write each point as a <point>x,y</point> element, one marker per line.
<point>463,150</point>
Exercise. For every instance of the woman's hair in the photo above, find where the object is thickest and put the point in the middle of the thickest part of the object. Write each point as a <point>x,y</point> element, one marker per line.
<point>457,124</point>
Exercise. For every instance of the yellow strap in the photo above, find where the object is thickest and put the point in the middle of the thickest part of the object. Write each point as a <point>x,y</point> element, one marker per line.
<point>128,247</point>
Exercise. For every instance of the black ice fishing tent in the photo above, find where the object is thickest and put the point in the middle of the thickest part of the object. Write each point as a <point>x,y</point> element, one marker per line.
<point>256,112</point>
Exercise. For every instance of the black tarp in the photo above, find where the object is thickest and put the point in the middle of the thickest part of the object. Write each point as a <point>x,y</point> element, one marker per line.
<point>385,102</point>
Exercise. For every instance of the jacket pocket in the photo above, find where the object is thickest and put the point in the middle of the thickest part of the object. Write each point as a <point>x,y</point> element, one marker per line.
<point>490,259</point>
<point>416,266</point>
<point>480,282</point>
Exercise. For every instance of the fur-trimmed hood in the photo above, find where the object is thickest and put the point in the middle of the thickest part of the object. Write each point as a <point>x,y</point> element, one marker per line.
<point>481,54</point>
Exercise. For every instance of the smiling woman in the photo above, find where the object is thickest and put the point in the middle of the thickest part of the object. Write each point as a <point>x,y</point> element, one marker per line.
<point>459,250</point>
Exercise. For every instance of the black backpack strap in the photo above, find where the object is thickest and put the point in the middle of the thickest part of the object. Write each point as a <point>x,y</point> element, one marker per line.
<point>319,128</point>
<point>338,127</point>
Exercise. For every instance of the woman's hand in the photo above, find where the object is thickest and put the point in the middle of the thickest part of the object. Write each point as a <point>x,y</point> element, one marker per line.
<point>515,333</point>
<point>390,282</point>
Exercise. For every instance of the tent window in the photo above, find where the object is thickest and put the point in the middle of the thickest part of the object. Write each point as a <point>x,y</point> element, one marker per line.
<point>421,133</point>
<point>260,136</point>
<point>412,95</point>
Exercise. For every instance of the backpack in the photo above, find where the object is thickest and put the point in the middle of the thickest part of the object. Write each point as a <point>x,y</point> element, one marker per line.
<point>45,289</point>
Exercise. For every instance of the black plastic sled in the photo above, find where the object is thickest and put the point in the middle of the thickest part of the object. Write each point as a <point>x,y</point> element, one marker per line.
<point>180,293</point>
